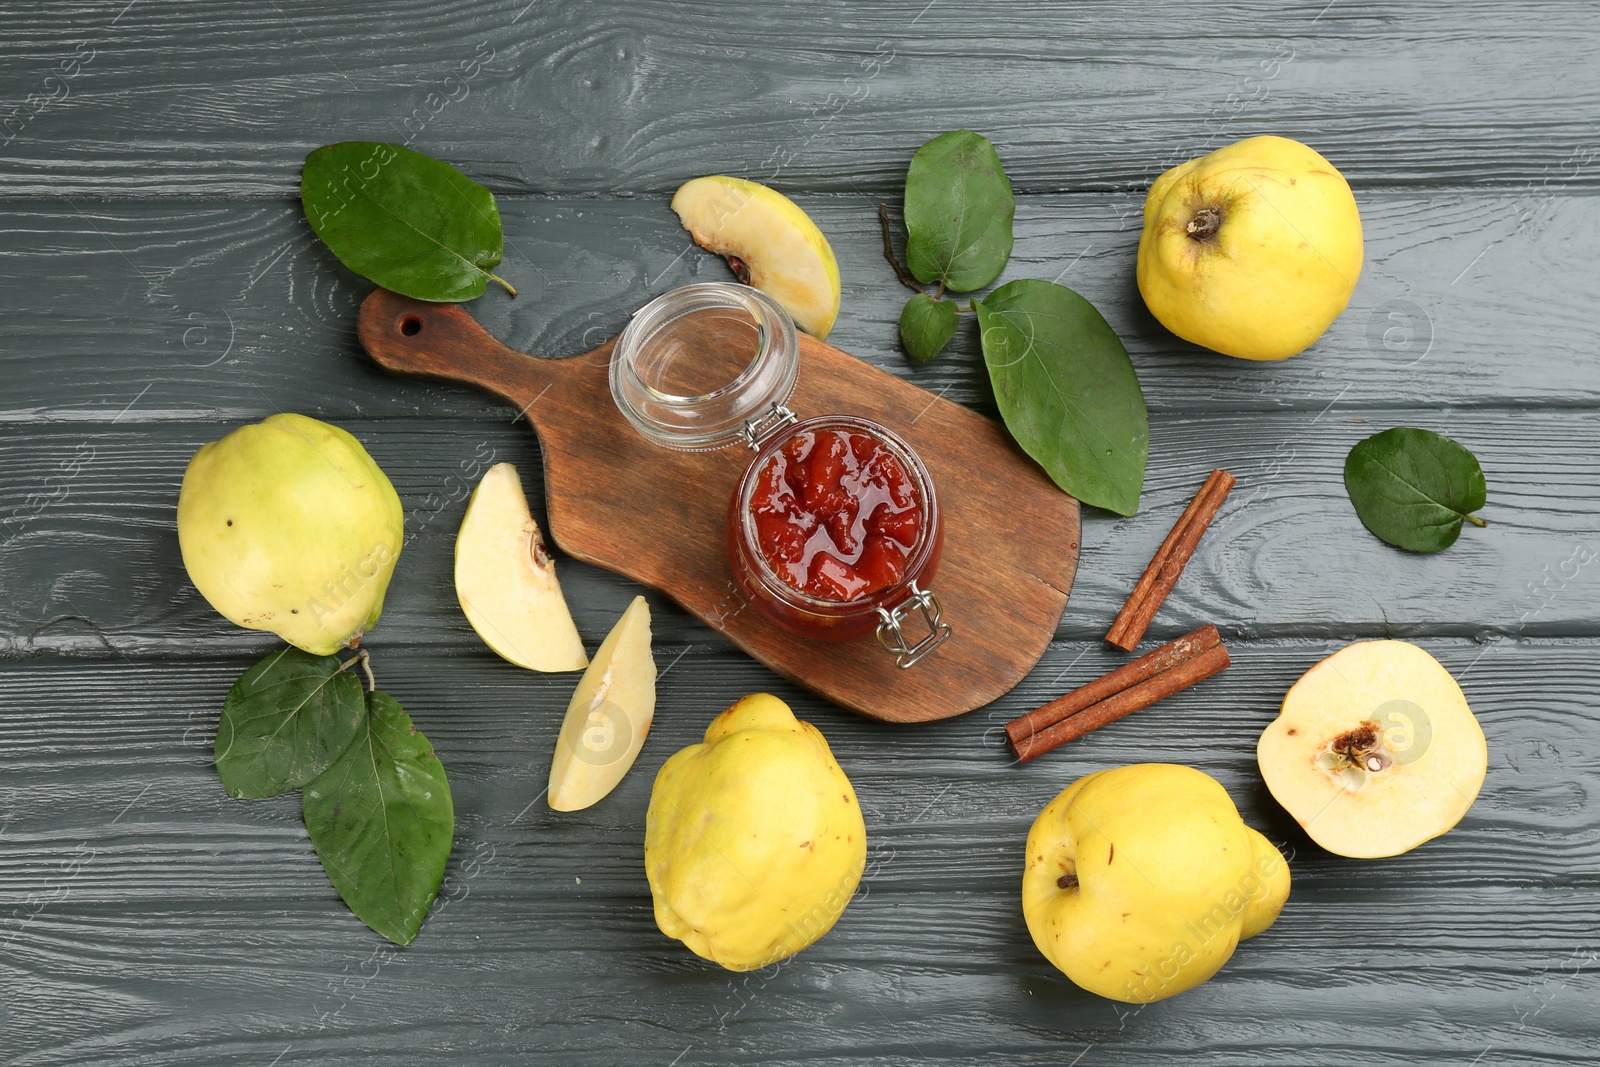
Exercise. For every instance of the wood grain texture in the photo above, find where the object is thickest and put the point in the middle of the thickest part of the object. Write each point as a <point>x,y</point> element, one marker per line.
<point>833,96</point>
<point>315,997</point>
<point>160,286</point>
<point>197,929</point>
<point>660,516</point>
<point>225,310</point>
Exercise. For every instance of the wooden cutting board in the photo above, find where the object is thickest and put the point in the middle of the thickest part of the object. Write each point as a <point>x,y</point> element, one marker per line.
<point>657,516</point>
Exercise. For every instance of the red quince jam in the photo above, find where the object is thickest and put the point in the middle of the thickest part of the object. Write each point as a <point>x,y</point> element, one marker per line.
<point>836,514</point>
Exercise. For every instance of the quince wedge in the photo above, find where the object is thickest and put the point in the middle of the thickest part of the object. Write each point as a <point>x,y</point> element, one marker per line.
<point>288,525</point>
<point>769,243</point>
<point>1140,881</point>
<point>754,841</point>
<point>506,580</point>
<point>608,717</point>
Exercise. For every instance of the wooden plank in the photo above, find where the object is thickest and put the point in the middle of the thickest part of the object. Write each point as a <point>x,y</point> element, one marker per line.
<point>90,563</point>
<point>942,797</point>
<point>618,97</point>
<point>112,989</point>
<point>224,310</point>
<point>196,928</point>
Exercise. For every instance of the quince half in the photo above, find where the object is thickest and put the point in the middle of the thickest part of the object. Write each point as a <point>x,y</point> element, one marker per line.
<point>769,244</point>
<point>754,841</point>
<point>1375,750</point>
<point>1252,250</point>
<point>1141,881</point>
<point>287,525</point>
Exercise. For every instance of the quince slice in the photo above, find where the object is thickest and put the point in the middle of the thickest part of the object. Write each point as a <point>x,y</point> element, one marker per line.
<point>1375,750</point>
<point>768,242</point>
<point>506,581</point>
<point>609,715</point>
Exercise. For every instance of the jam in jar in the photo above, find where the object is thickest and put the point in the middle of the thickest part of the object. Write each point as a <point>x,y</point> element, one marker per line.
<point>835,514</point>
<point>834,520</point>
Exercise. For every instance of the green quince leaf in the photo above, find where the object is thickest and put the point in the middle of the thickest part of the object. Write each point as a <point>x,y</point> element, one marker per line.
<point>284,722</point>
<point>382,822</point>
<point>1413,488</point>
<point>1067,391</point>
<point>926,326</point>
<point>958,212</point>
<point>403,220</point>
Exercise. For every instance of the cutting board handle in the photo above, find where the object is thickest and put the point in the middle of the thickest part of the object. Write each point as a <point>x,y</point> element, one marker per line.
<point>444,342</point>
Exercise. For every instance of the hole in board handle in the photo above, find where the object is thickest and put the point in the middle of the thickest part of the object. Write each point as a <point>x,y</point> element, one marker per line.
<point>411,325</point>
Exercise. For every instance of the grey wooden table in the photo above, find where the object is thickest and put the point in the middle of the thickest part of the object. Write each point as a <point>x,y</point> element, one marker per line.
<point>159,286</point>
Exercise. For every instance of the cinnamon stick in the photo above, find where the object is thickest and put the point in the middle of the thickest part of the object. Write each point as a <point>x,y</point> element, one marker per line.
<point>1132,687</point>
<point>1169,655</point>
<point>1170,559</point>
<point>1130,700</point>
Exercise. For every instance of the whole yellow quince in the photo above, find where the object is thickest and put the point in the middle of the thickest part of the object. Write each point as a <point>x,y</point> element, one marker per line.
<point>288,525</point>
<point>1252,250</point>
<point>1141,880</point>
<point>754,842</point>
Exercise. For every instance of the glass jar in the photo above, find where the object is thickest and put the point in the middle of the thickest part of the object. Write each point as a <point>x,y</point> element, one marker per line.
<point>835,528</point>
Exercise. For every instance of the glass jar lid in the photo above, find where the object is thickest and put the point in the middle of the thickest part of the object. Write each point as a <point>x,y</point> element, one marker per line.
<point>698,366</point>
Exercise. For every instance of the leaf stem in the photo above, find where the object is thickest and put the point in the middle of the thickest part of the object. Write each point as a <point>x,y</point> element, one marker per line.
<point>1474,520</point>
<point>364,658</point>
<point>888,253</point>
<point>509,287</point>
